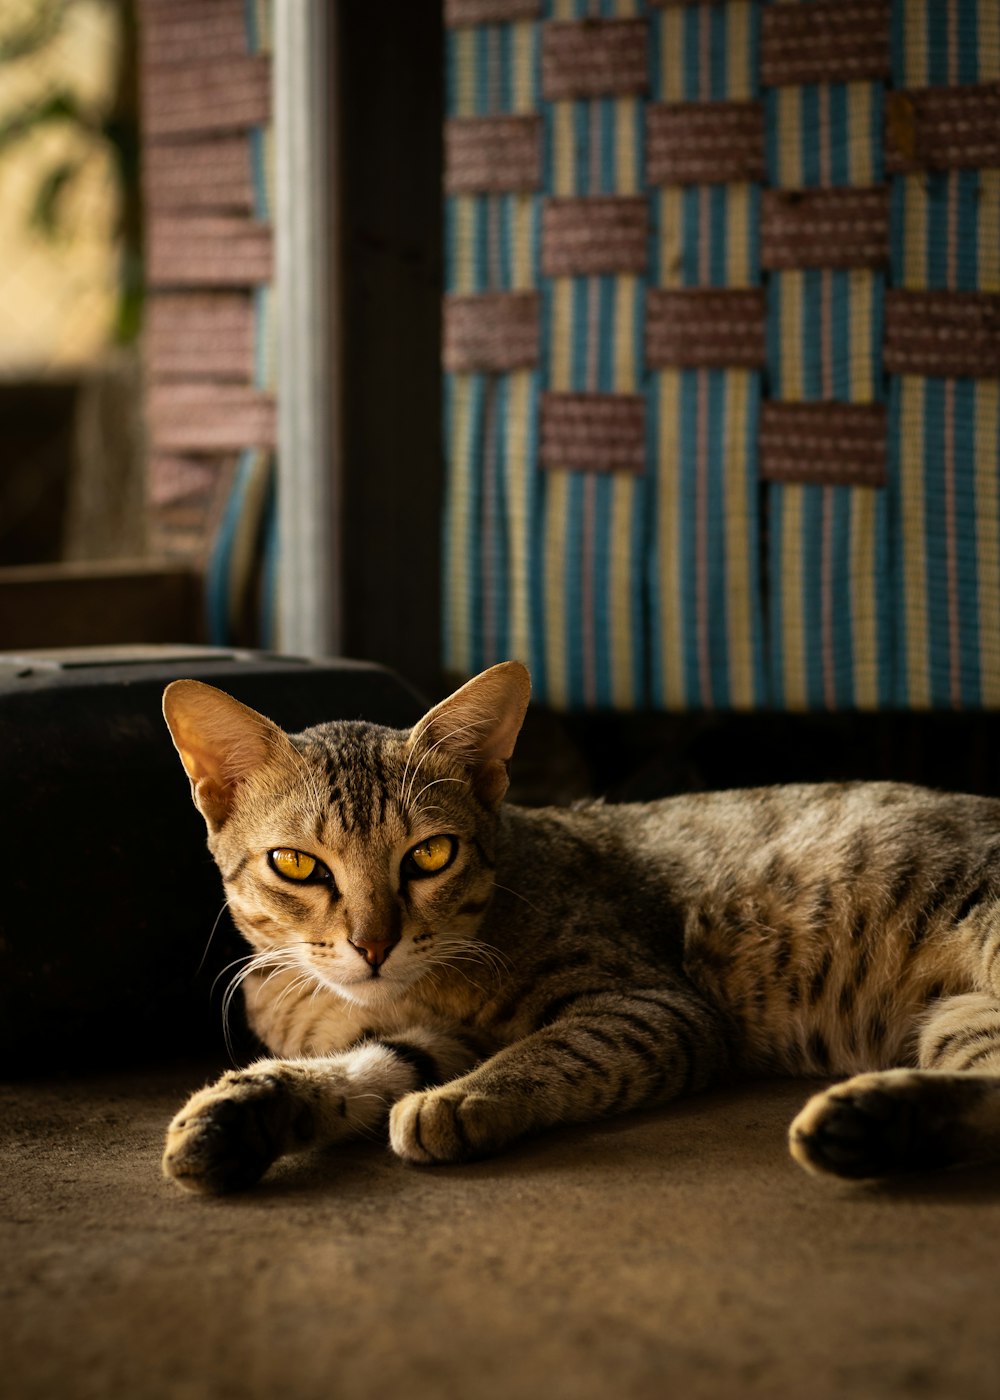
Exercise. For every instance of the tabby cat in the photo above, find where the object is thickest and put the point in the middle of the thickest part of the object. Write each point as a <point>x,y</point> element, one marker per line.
<point>475,972</point>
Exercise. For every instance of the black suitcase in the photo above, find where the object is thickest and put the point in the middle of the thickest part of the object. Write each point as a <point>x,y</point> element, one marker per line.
<point>110,895</point>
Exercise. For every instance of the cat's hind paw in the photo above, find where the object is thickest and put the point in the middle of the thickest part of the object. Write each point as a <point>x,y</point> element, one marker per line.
<point>447,1125</point>
<point>226,1136</point>
<point>874,1125</point>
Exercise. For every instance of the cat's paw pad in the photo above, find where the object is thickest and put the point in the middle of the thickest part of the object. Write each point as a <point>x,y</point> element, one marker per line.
<point>446,1125</point>
<point>871,1126</point>
<point>226,1136</point>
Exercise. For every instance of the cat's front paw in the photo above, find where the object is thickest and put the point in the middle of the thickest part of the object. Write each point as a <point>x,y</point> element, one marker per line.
<point>874,1125</point>
<point>226,1136</point>
<point>448,1125</point>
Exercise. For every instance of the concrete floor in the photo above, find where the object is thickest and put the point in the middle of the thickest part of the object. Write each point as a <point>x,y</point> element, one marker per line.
<point>679,1254</point>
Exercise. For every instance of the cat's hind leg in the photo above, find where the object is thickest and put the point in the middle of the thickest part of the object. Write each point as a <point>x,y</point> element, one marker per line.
<point>945,1112</point>
<point>228,1134</point>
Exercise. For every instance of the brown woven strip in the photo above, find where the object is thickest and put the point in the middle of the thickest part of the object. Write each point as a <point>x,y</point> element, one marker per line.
<point>200,335</point>
<point>703,143</point>
<point>827,41</point>
<point>209,418</point>
<point>191,31</point>
<point>824,444</point>
<point>585,237</point>
<point>593,432</point>
<point>950,335</point>
<point>187,495</point>
<point>943,128</point>
<point>824,228</point>
<point>492,153</point>
<point>199,98</point>
<point>705,329</point>
<point>173,480</point>
<point>496,331</point>
<point>202,251</point>
<point>489,11</point>
<point>594,58</point>
<point>199,175</point>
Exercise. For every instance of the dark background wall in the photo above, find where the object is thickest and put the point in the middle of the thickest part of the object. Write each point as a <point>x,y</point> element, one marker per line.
<point>389,60</point>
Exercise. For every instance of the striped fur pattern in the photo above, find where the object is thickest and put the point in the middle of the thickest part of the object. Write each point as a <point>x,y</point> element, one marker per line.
<point>553,966</point>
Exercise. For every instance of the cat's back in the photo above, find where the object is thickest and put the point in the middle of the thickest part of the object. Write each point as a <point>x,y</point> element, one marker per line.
<point>819,918</point>
<point>845,831</point>
<point>806,863</point>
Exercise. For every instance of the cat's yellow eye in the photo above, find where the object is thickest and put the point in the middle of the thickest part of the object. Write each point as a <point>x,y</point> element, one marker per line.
<point>431,856</point>
<point>294,865</point>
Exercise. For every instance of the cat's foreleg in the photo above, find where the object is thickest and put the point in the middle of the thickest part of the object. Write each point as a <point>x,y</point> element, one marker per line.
<point>944,1113</point>
<point>230,1132</point>
<point>612,1054</point>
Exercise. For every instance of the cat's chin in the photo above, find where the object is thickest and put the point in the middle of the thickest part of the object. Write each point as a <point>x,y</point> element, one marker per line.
<point>369,991</point>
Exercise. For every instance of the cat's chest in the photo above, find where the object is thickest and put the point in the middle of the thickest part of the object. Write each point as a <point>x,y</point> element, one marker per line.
<point>294,1019</point>
<point>298,1018</point>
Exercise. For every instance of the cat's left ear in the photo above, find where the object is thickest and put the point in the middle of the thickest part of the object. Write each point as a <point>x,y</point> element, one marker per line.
<point>221,743</point>
<point>479,725</point>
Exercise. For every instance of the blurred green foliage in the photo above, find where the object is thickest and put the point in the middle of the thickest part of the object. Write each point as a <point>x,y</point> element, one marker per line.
<point>116,128</point>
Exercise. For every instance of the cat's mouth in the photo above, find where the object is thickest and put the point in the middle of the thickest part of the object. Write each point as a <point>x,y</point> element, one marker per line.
<point>366,982</point>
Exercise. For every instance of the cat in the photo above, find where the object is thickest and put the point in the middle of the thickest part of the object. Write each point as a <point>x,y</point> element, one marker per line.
<point>474,971</point>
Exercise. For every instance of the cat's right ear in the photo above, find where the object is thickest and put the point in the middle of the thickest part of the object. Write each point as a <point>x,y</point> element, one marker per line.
<point>221,743</point>
<point>479,724</point>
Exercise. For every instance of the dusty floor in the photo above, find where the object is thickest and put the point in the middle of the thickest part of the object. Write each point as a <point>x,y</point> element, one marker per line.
<point>678,1253</point>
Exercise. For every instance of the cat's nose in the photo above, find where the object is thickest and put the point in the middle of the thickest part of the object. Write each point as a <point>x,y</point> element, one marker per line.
<point>374,950</point>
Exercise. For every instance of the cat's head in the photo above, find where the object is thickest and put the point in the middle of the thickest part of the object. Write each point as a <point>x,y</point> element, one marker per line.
<point>361,855</point>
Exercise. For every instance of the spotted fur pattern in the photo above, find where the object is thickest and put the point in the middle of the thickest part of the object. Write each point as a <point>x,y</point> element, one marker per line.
<point>573,963</point>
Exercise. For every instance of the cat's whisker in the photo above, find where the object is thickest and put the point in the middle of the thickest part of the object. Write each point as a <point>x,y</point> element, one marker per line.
<point>284,957</point>
<point>285,992</point>
<point>274,959</point>
<point>303,980</point>
<point>430,971</point>
<point>451,965</point>
<point>225,906</point>
<point>425,753</point>
<point>470,950</point>
<point>422,809</point>
<point>462,782</point>
<point>312,783</point>
<point>237,981</point>
<point>405,795</point>
<point>523,898</point>
<point>374,1132</point>
<point>273,966</point>
<point>227,1002</point>
<point>493,972</point>
<point>406,768</point>
<point>491,950</point>
<point>256,962</point>
<point>246,958</point>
